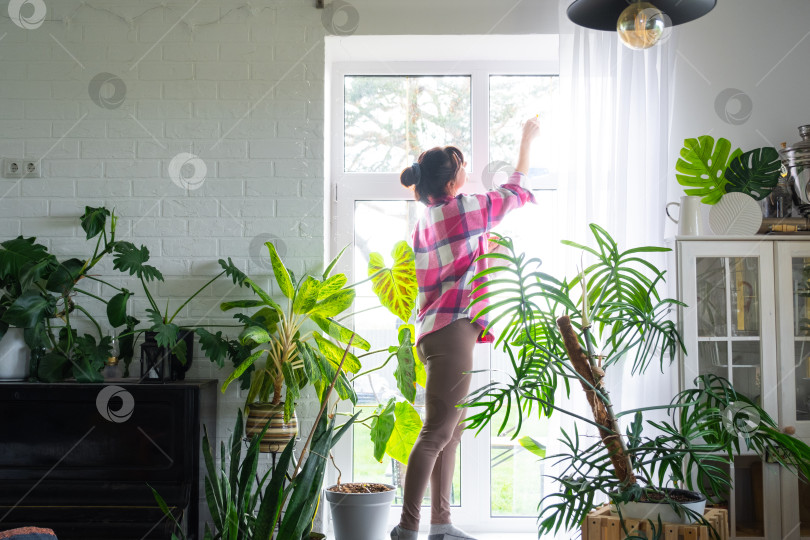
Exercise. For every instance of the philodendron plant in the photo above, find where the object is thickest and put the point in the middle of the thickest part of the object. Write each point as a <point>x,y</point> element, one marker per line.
<point>286,346</point>
<point>43,295</point>
<point>557,332</point>
<point>710,169</point>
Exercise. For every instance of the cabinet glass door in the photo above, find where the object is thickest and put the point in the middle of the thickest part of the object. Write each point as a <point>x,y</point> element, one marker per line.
<point>728,321</point>
<point>793,280</point>
<point>729,330</point>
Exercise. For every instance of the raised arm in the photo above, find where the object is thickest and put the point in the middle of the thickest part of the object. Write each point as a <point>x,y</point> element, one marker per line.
<point>531,129</point>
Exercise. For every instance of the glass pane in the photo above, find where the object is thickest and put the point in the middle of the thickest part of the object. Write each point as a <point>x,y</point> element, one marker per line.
<point>516,474</point>
<point>804,506</point>
<point>746,372</point>
<point>748,495</point>
<point>378,226</point>
<point>713,358</point>
<point>389,121</point>
<point>744,296</point>
<point>801,305</point>
<point>711,296</point>
<point>801,318</point>
<point>802,359</point>
<point>513,99</point>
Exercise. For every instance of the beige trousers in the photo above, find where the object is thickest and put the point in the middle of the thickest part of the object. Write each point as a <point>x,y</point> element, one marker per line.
<point>447,355</point>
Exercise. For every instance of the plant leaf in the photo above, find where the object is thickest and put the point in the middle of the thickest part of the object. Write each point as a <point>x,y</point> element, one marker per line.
<point>117,308</point>
<point>533,446</point>
<point>94,220</point>
<point>332,264</point>
<point>331,286</point>
<point>306,295</point>
<point>64,276</point>
<point>336,330</point>
<point>29,309</point>
<point>334,354</point>
<point>396,286</point>
<point>214,346</point>
<point>405,372</point>
<point>130,259</point>
<point>381,427</point>
<point>407,426</point>
<point>334,304</point>
<point>19,253</point>
<point>52,367</point>
<point>754,173</point>
<point>165,333</point>
<point>280,271</point>
<point>702,167</point>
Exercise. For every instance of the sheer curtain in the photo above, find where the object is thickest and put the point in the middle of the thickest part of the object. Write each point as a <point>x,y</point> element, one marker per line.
<point>614,140</point>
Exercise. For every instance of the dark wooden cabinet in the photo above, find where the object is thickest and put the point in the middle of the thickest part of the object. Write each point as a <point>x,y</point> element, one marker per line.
<point>79,458</point>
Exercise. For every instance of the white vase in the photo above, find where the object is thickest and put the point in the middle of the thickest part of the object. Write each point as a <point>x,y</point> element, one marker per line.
<point>13,356</point>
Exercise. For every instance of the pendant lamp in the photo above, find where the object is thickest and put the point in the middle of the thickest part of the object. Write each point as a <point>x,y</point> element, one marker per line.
<point>640,24</point>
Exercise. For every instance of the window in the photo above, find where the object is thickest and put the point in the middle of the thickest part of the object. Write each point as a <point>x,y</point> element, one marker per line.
<point>383,115</point>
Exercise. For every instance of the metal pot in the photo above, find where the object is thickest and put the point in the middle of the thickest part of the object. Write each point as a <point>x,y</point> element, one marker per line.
<point>796,159</point>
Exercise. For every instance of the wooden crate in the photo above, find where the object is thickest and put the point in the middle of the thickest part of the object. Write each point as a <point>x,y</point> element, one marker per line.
<point>601,525</point>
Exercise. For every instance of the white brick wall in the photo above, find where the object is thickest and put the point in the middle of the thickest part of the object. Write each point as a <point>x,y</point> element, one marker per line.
<point>242,91</point>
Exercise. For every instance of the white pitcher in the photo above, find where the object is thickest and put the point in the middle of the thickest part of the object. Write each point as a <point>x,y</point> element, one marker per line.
<point>689,219</point>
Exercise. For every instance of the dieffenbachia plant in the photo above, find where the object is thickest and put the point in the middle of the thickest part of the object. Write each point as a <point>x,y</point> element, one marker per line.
<point>285,346</point>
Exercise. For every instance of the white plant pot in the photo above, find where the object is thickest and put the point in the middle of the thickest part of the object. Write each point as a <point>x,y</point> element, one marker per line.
<point>645,511</point>
<point>360,516</point>
<point>14,356</point>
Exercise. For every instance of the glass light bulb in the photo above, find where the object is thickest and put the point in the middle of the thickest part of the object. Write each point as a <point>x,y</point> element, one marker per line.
<point>641,25</point>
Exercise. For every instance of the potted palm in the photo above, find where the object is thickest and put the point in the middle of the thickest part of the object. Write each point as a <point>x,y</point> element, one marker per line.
<point>574,331</point>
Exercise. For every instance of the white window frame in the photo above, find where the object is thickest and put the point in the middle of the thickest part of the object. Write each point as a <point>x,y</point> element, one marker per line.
<point>345,189</point>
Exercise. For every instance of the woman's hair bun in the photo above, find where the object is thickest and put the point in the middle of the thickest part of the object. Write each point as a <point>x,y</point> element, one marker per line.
<point>410,176</point>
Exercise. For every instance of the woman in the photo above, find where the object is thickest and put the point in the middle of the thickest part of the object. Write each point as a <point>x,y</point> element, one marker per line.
<point>449,237</point>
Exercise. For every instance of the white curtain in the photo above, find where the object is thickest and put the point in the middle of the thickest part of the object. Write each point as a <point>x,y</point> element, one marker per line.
<point>614,141</point>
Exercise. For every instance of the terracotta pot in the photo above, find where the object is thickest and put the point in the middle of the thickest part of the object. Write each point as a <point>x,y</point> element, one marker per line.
<point>278,434</point>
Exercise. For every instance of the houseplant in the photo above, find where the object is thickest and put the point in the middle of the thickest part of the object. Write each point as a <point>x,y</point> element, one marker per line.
<point>561,331</point>
<point>245,506</point>
<point>279,351</point>
<point>41,293</point>
<point>171,339</point>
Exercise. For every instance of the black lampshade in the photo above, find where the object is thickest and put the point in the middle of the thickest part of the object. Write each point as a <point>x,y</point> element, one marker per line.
<point>603,14</point>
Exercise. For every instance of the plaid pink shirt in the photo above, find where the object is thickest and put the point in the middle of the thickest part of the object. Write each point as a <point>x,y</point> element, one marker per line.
<point>449,236</point>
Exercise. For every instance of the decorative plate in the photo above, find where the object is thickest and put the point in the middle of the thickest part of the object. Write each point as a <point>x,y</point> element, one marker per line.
<point>735,214</point>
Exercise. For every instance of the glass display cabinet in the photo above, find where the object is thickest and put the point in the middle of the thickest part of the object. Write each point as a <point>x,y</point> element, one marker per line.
<point>747,318</point>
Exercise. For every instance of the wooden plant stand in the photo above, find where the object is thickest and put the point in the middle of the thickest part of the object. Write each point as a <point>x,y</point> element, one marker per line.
<point>601,525</point>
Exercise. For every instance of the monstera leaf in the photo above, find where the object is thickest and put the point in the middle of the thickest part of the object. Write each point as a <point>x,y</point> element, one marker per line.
<point>702,167</point>
<point>754,173</point>
<point>395,287</point>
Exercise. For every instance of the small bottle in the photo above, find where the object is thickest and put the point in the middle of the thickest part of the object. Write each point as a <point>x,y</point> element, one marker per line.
<point>111,368</point>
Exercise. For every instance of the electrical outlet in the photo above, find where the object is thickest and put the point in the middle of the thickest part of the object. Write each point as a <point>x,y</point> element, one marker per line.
<point>31,168</point>
<point>21,168</point>
<point>12,168</point>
